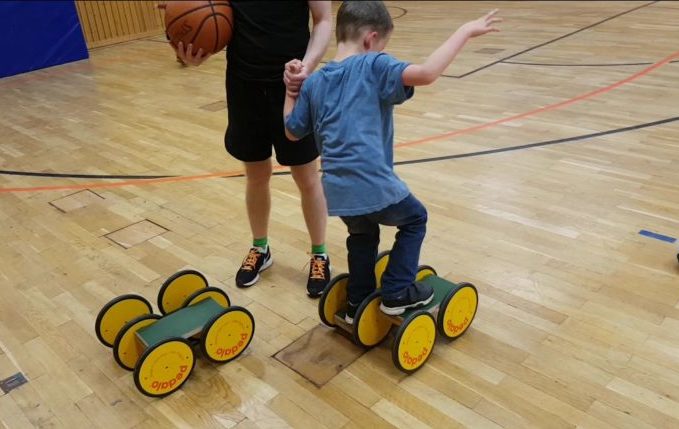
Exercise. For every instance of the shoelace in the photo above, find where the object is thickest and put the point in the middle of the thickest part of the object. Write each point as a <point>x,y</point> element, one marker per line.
<point>251,260</point>
<point>318,269</point>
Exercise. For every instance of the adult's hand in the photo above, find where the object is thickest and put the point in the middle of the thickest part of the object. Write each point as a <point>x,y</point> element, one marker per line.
<point>187,56</point>
<point>294,75</point>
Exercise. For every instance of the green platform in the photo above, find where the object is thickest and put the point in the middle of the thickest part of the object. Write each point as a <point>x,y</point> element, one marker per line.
<point>442,288</point>
<point>185,323</point>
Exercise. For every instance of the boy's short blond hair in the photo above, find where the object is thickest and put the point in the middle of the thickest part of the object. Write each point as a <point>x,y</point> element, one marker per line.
<point>354,16</point>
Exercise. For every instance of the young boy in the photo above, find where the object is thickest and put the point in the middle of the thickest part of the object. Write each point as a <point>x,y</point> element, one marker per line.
<point>348,105</point>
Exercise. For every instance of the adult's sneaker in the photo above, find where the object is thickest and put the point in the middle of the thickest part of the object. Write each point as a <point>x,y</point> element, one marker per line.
<point>258,260</point>
<point>319,275</point>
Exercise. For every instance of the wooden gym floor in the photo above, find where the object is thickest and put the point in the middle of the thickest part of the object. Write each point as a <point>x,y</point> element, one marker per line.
<point>541,156</point>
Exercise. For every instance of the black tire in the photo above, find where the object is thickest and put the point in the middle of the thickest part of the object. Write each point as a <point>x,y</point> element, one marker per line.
<point>206,329</point>
<point>359,314</point>
<point>148,351</point>
<point>382,254</point>
<point>108,305</point>
<point>440,320</point>
<point>201,291</point>
<point>324,295</point>
<point>169,281</point>
<point>399,335</point>
<point>122,332</point>
<point>426,267</point>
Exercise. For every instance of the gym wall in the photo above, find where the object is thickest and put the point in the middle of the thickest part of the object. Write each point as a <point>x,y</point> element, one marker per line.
<point>108,22</point>
<point>38,34</point>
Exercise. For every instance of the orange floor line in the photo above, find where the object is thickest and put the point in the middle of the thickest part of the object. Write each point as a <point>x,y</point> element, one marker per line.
<point>469,130</point>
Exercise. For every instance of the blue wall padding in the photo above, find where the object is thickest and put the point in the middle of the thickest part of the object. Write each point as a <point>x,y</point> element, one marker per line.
<point>39,34</point>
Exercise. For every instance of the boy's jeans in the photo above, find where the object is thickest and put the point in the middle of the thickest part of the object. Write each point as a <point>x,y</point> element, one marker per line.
<point>410,216</point>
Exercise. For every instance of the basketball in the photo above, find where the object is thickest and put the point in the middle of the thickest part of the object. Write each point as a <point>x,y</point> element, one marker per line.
<point>205,24</point>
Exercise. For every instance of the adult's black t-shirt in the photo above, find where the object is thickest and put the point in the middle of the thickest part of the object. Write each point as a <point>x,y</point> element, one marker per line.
<point>267,34</point>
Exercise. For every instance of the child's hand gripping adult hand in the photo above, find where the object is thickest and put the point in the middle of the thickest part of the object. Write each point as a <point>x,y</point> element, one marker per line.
<point>483,25</point>
<point>294,76</point>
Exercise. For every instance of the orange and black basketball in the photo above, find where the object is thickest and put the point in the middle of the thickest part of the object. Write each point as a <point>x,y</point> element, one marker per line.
<point>204,24</point>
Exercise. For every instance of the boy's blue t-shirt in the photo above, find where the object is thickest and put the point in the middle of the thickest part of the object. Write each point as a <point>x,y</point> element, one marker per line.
<point>348,105</point>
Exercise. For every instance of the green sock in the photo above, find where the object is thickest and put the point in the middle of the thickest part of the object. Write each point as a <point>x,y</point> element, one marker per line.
<point>260,242</point>
<point>318,249</point>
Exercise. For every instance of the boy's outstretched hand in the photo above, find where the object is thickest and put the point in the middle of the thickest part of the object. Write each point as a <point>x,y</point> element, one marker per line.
<point>483,25</point>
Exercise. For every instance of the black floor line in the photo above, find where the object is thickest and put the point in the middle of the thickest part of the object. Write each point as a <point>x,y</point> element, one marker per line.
<point>403,11</point>
<point>412,161</point>
<point>504,60</point>
<point>583,65</point>
<point>78,175</point>
<point>539,144</point>
<point>552,41</point>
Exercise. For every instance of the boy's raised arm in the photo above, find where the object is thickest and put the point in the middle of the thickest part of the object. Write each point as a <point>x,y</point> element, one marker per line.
<point>427,72</point>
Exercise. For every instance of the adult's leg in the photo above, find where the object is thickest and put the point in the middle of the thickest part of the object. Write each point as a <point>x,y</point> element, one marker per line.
<point>258,196</point>
<point>314,208</point>
<point>258,203</point>
<point>248,139</point>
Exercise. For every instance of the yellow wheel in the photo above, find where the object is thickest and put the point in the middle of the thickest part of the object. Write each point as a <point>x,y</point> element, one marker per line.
<point>209,292</point>
<point>127,348</point>
<point>414,342</point>
<point>163,368</point>
<point>457,311</point>
<point>116,313</point>
<point>334,299</point>
<point>371,326</point>
<point>380,266</point>
<point>177,288</point>
<point>424,271</point>
<point>227,335</point>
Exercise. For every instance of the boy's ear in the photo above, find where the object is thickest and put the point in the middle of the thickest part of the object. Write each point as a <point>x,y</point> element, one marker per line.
<point>370,40</point>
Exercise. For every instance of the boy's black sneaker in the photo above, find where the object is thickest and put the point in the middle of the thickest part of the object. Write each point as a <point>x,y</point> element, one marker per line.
<point>319,275</point>
<point>257,261</point>
<point>415,295</point>
<point>351,312</point>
